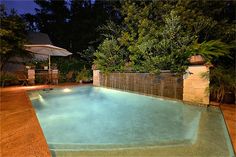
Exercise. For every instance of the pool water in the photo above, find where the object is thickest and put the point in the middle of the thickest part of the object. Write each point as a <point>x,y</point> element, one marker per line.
<point>96,118</point>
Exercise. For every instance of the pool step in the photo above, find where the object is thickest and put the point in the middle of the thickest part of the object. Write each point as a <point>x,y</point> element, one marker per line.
<point>122,146</point>
<point>73,150</point>
<point>34,95</point>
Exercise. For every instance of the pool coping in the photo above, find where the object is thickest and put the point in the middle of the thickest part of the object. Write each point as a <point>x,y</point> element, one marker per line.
<point>42,148</point>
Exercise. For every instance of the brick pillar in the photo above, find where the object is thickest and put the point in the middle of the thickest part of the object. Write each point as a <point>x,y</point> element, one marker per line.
<point>96,77</point>
<point>195,87</point>
<point>31,76</point>
<point>55,76</point>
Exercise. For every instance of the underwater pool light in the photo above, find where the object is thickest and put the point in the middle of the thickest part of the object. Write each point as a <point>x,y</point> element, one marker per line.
<point>66,90</point>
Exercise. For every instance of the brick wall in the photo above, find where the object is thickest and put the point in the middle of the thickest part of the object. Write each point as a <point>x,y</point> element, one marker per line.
<point>31,76</point>
<point>96,77</point>
<point>195,87</point>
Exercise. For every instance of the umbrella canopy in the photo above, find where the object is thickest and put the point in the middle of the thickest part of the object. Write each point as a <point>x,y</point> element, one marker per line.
<point>48,50</point>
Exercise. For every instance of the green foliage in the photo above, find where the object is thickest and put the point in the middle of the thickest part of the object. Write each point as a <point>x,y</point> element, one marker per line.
<point>222,81</point>
<point>160,35</point>
<point>154,64</point>
<point>12,34</point>
<point>144,46</point>
<point>109,55</point>
<point>84,75</point>
<point>139,33</point>
<point>72,24</point>
<point>37,64</point>
<point>87,55</point>
<point>39,79</point>
<point>7,78</point>
<point>109,30</point>
<point>173,43</point>
<point>66,64</point>
<point>210,49</point>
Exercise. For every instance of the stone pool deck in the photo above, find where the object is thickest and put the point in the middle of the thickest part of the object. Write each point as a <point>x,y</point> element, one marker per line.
<point>21,134</point>
<point>229,112</point>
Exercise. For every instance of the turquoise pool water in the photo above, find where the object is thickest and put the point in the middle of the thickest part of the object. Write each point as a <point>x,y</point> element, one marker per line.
<point>95,118</point>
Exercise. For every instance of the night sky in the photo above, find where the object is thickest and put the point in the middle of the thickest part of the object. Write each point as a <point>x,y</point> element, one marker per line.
<point>25,6</point>
<point>22,6</point>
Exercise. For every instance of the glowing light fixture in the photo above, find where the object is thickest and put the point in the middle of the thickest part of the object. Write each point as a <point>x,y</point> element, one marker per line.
<point>41,99</point>
<point>66,90</point>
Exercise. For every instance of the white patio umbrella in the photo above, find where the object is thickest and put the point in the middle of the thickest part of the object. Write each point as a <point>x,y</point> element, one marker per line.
<point>48,50</point>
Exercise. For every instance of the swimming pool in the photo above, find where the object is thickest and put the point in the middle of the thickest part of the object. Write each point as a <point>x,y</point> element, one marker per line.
<point>96,119</point>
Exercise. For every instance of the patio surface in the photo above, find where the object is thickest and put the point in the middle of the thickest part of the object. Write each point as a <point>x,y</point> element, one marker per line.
<point>229,112</point>
<point>21,134</point>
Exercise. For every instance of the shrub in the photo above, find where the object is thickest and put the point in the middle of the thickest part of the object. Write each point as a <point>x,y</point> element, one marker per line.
<point>222,81</point>
<point>84,75</point>
<point>210,50</point>
<point>7,78</point>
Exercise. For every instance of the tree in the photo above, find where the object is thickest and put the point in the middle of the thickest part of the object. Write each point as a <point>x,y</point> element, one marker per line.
<point>12,34</point>
<point>73,24</point>
<point>109,55</point>
<point>173,42</point>
<point>157,35</point>
<point>150,44</point>
<point>53,19</point>
<point>86,16</point>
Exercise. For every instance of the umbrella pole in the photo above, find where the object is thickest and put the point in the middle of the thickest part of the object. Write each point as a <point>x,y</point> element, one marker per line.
<point>49,64</point>
<point>49,71</point>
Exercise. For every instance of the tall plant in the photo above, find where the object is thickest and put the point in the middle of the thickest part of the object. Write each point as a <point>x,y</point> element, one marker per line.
<point>210,50</point>
<point>12,34</point>
<point>174,41</point>
<point>109,56</point>
<point>222,81</point>
<point>151,42</point>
